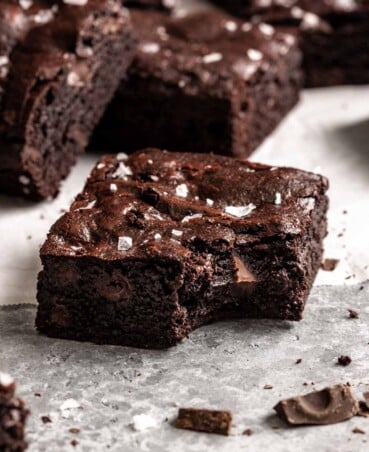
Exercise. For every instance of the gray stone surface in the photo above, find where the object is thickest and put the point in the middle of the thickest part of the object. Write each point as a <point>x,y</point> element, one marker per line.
<point>224,365</point>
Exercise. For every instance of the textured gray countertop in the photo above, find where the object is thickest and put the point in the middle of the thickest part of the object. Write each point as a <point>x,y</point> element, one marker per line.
<point>223,366</point>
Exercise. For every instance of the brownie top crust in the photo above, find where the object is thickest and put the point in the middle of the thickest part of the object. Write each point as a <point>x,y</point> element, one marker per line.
<point>37,39</point>
<point>158,203</point>
<point>208,53</point>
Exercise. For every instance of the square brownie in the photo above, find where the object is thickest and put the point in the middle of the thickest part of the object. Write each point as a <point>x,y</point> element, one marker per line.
<point>333,34</point>
<point>60,64</point>
<point>160,243</point>
<point>205,82</point>
<point>13,416</point>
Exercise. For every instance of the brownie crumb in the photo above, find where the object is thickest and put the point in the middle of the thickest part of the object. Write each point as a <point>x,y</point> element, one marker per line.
<point>344,360</point>
<point>248,432</point>
<point>46,419</point>
<point>298,361</point>
<point>329,265</point>
<point>353,314</point>
<point>74,430</point>
<point>363,409</point>
<point>37,394</point>
<point>268,387</point>
<point>361,288</point>
<point>74,442</point>
<point>208,421</point>
<point>358,430</point>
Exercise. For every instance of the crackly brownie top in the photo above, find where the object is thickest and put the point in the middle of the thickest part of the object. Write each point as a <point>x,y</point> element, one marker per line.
<point>308,14</point>
<point>208,52</point>
<point>161,203</point>
<point>39,37</point>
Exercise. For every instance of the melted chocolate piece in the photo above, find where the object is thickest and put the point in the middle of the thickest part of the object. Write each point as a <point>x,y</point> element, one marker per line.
<point>328,406</point>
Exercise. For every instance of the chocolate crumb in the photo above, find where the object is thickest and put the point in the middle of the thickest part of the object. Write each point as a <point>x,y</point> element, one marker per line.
<point>37,394</point>
<point>361,288</point>
<point>46,419</point>
<point>344,212</point>
<point>268,387</point>
<point>363,409</point>
<point>353,314</point>
<point>74,442</point>
<point>328,406</point>
<point>298,361</point>
<point>329,265</point>
<point>275,427</point>
<point>358,430</point>
<point>74,430</point>
<point>344,360</point>
<point>248,432</point>
<point>305,383</point>
<point>209,421</point>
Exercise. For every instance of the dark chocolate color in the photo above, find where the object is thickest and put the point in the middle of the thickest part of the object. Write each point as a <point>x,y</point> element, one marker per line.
<point>208,421</point>
<point>328,406</point>
<point>13,416</point>
<point>161,243</point>
<point>334,34</point>
<point>206,82</point>
<point>59,67</point>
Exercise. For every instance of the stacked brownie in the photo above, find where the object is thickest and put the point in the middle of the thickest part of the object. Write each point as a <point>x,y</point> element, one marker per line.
<point>160,243</point>
<point>334,34</point>
<point>13,416</point>
<point>60,64</point>
<point>206,82</point>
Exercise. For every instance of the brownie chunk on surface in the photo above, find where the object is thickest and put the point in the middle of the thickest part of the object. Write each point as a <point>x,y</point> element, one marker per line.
<point>160,243</point>
<point>60,64</point>
<point>334,34</point>
<point>206,82</point>
<point>13,416</point>
<point>208,421</point>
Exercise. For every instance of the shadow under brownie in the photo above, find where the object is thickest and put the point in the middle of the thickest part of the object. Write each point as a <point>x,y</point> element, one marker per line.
<point>60,65</point>
<point>160,243</point>
<point>206,82</point>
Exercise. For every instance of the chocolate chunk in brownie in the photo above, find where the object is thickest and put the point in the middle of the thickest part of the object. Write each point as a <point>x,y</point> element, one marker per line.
<point>334,34</point>
<point>159,243</point>
<point>209,421</point>
<point>206,82</point>
<point>13,416</point>
<point>60,63</point>
<point>328,406</point>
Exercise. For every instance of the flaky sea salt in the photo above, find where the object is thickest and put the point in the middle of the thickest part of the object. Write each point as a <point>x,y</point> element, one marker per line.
<point>125,243</point>
<point>177,232</point>
<point>142,422</point>
<point>254,55</point>
<point>212,57</point>
<point>191,217</point>
<point>278,199</point>
<point>182,190</point>
<point>6,380</point>
<point>76,2</point>
<point>209,202</point>
<point>240,211</point>
<point>122,171</point>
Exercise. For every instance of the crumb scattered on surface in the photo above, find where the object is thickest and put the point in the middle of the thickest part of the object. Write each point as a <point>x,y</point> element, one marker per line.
<point>74,442</point>
<point>298,361</point>
<point>329,265</point>
<point>74,430</point>
<point>46,419</point>
<point>248,432</point>
<point>344,360</point>
<point>37,394</point>
<point>358,430</point>
<point>353,314</point>
<point>208,421</point>
<point>268,387</point>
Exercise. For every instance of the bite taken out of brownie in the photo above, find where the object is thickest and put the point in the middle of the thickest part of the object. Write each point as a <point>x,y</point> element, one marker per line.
<point>60,64</point>
<point>13,416</point>
<point>160,243</point>
<point>206,82</point>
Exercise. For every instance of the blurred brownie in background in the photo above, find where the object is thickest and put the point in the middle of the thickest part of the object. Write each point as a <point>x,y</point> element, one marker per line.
<point>205,82</point>
<point>60,64</point>
<point>13,416</point>
<point>334,34</point>
<point>162,5</point>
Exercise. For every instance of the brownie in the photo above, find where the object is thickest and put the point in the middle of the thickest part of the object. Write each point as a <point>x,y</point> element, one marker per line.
<point>13,416</point>
<point>203,83</point>
<point>333,34</point>
<point>60,64</point>
<point>161,5</point>
<point>160,243</point>
<point>208,421</point>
